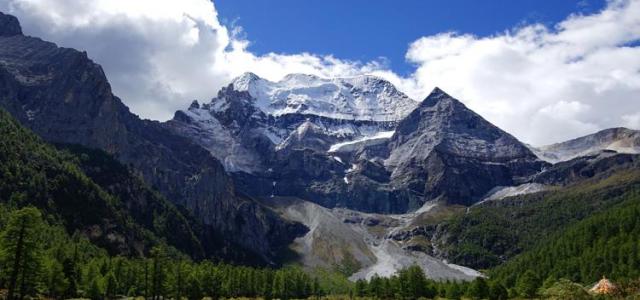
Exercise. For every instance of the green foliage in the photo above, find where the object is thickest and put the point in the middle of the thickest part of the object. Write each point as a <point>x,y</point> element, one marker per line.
<point>496,231</point>
<point>497,291</point>
<point>527,284</point>
<point>21,252</point>
<point>55,280</point>
<point>89,191</point>
<point>47,197</point>
<point>479,289</point>
<point>71,265</point>
<point>565,289</point>
<point>606,243</point>
<point>95,289</point>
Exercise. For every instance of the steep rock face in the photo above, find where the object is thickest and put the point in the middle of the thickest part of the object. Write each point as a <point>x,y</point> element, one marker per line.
<point>253,130</point>
<point>601,165</point>
<point>443,149</point>
<point>64,97</point>
<point>286,154</point>
<point>346,157</point>
<point>9,25</point>
<point>622,140</point>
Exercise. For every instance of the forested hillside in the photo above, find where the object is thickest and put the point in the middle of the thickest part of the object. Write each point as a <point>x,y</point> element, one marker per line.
<point>35,173</point>
<point>38,258</point>
<point>495,231</point>
<point>605,244</point>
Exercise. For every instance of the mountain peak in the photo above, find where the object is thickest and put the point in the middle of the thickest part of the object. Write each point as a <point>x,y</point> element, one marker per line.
<point>194,105</point>
<point>435,97</point>
<point>362,97</point>
<point>9,25</point>
<point>244,81</point>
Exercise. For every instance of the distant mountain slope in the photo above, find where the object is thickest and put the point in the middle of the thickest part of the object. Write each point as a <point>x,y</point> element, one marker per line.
<point>64,97</point>
<point>443,149</point>
<point>603,244</point>
<point>32,172</point>
<point>495,231</point>
<point>621,140</point>
<point>438,149</point>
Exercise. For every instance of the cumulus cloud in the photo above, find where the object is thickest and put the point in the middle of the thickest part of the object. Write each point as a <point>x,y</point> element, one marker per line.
<point>541,84</point>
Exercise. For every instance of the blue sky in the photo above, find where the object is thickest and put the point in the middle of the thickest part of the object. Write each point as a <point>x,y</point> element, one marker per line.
<point>366,30</point>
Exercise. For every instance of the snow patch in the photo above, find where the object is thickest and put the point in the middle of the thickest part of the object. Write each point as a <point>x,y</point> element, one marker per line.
<point>502,192</point>
<point>374,139</point>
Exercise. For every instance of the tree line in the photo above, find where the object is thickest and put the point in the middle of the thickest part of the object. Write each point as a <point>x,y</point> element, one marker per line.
<point>41,259</point>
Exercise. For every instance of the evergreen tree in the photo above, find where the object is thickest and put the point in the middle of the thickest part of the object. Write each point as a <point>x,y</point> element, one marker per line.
<point>111,285</point>
<point>70,270</point>
<point>413,283</point>
<point>316,290</point>
<point>375,286</point>
<point>454,291</point>
<point>527,284</point>
<point>21,253</point>
<point>55,280</point>
<point>158,273</point>
<point>95,289</point>
<point>497,291</point>
<point>193,288</point>
<point>360,288</point>
<point>179,278</point>
<point>479,289</point>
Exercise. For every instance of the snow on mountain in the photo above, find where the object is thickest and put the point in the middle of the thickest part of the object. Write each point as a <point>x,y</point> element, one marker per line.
<point>365,97</point>
<point>377,138</point>
<point>204,128</point>
<point>501,192</point>
<point>621,140</point>
<point>252,119</point>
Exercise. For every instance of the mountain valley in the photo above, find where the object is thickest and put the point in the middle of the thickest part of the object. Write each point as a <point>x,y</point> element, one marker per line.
<point>347,175</point>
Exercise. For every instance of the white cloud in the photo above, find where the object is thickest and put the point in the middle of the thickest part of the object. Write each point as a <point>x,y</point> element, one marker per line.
<point>632,120</point>
<point>541,84</point>
<point>161,54</point>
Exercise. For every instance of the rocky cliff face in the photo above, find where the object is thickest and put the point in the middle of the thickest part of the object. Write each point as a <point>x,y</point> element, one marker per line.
<point>323,140</point>
<point>64,97</point>
<point>443,149</point>
<point>621,140</point>
<point>9,25</point>
<point>597,165</point>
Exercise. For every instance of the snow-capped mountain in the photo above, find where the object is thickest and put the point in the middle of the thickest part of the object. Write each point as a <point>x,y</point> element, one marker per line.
<point>460,153</point>
<point>252,118</point>
<point>621,140</point>
<point>353,142</point>
<point>364,98</point>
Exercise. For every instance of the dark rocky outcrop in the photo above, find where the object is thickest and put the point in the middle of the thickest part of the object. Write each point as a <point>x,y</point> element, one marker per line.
<point>9,25</point>
<point>597,165</point>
